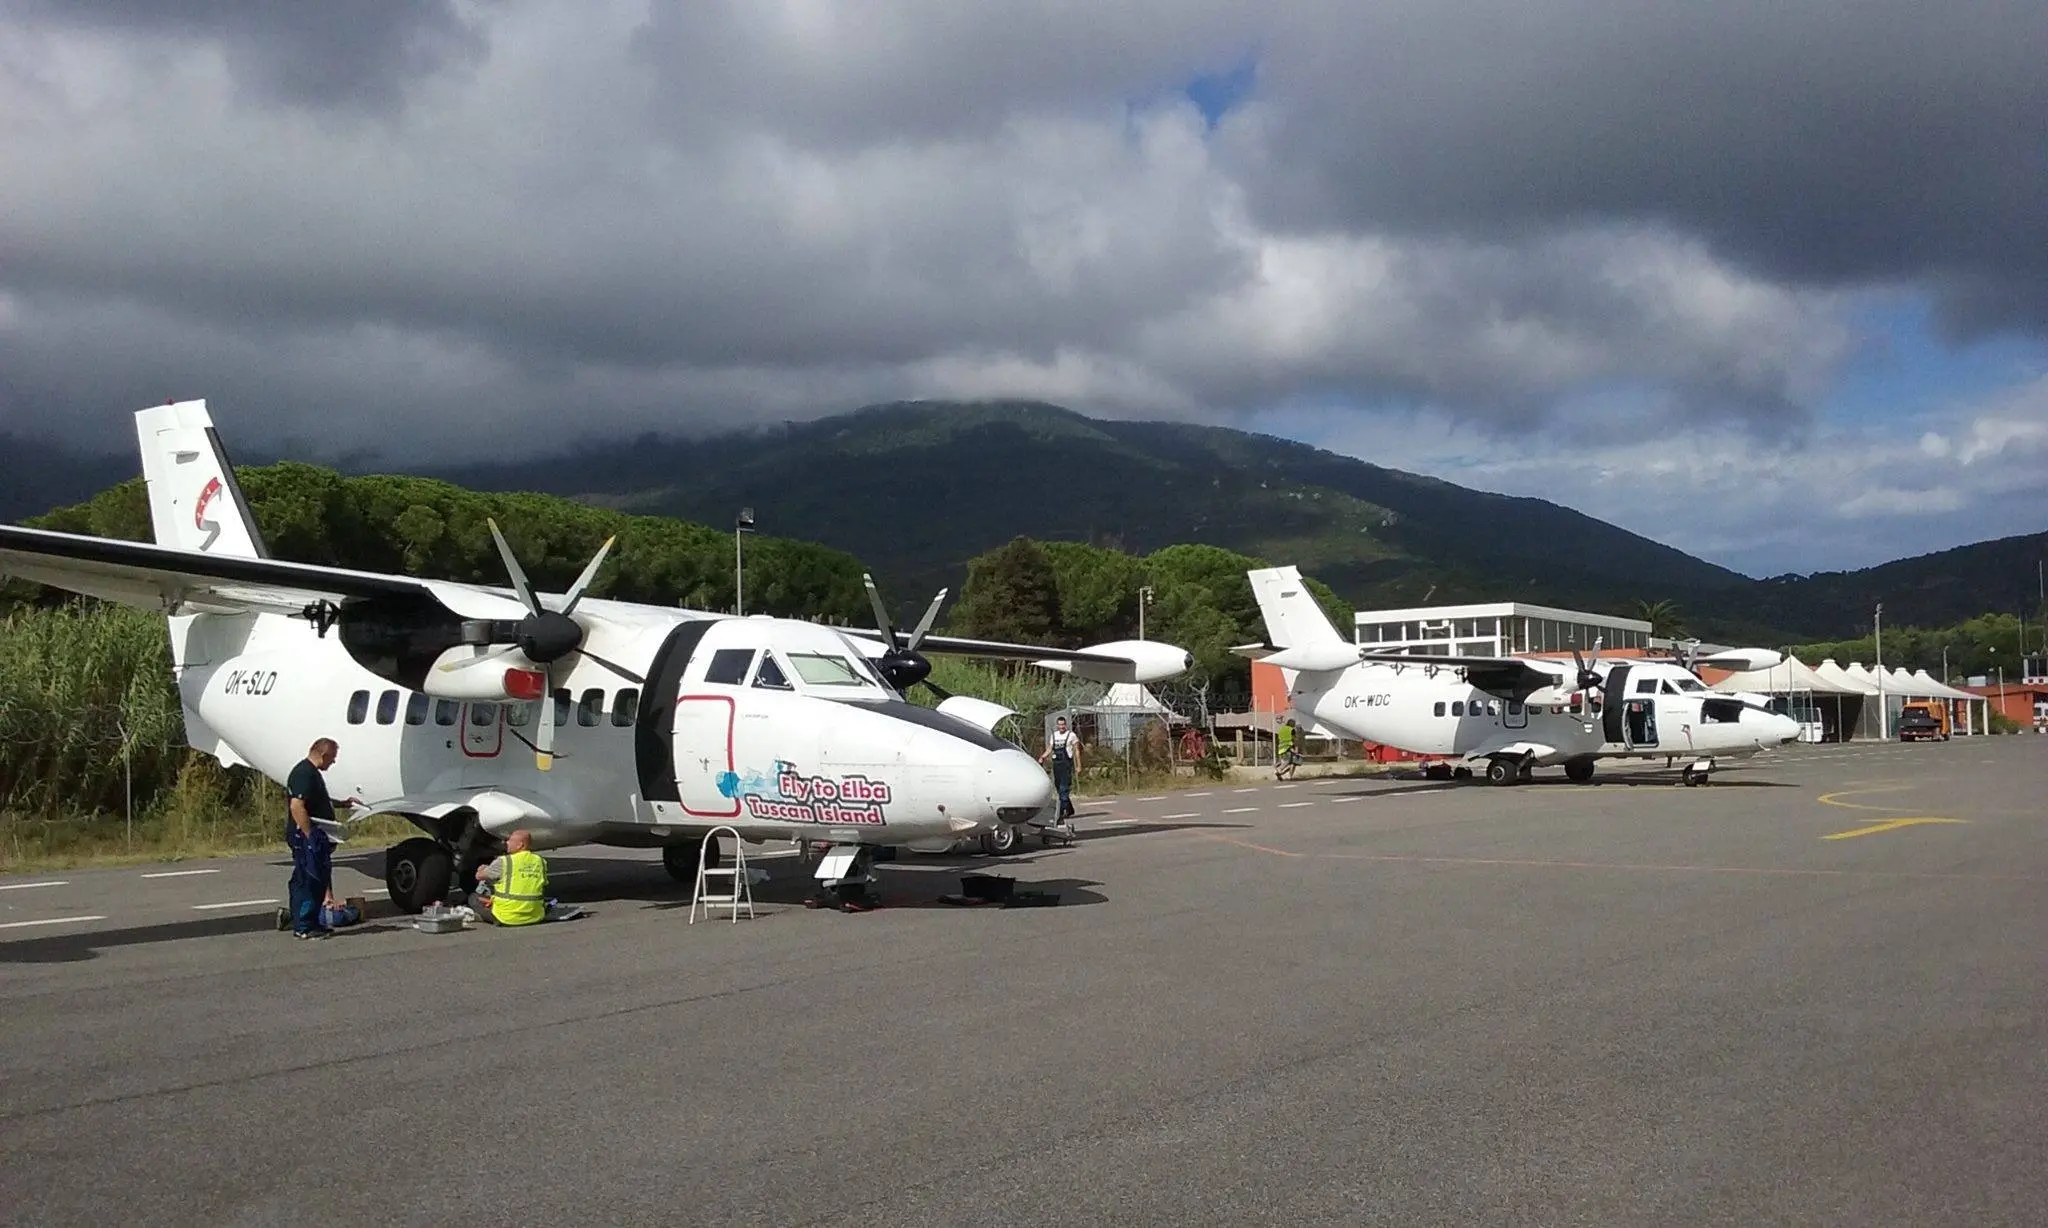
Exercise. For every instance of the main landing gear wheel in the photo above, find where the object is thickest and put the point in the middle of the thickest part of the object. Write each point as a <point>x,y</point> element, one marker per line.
<point>1503,772</point>
<point>416,873</point>
<point>680,860</point>
<point>1006,839</point>
<point>1690,778</point>
<point>1578,771</point>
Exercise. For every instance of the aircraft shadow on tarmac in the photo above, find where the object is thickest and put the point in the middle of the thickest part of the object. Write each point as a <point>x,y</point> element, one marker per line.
<point>73,948</point>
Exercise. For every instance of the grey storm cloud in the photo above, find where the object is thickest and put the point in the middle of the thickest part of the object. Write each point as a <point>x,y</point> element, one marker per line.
<point>1818,143</point>
<point>418,219</point>
<point>353,53</point>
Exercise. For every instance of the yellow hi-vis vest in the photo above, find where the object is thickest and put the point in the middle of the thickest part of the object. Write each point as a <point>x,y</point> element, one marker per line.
<point>520,896</point>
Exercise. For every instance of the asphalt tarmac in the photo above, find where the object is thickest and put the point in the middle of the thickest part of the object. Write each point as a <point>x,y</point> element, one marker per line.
<point>1810,991</point>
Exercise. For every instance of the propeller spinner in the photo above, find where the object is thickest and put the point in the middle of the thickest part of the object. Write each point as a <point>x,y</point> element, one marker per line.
<point>544,637</point>
<point>903,665</point>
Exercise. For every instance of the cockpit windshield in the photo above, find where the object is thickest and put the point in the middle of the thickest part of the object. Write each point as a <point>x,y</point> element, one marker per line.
<point>817,669</point>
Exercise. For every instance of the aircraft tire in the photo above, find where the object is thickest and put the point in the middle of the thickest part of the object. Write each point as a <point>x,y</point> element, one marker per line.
<point>1579,771</point>
<point>1006,839</point>
<point>680,860</point>
<point>1503,772</point>
<point>416,873</point>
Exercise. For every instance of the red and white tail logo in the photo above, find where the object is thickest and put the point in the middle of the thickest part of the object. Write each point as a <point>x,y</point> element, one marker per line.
<point>199,520</point>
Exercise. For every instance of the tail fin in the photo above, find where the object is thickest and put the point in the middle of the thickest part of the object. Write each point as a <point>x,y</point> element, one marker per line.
<point>1293,619</point>
<point>194,502</point>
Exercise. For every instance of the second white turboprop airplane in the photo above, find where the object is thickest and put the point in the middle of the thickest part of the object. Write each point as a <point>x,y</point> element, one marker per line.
<point>650,726</point>
<point>1512,714</point>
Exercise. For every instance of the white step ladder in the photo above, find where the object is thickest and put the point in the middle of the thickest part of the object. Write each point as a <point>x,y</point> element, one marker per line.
<point>741,890</point>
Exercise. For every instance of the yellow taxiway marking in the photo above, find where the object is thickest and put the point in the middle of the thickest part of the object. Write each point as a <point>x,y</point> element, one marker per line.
<point>1888,825</point>
<point>1829,799</point>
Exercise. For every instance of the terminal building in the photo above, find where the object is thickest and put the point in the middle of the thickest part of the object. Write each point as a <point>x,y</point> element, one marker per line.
<point>1499,629</point>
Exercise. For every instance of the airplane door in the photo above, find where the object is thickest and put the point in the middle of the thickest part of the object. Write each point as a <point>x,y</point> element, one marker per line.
<point>1516,715</point>
<point>703,755</point>
<point>483,730</point>
<point>1640,719</point>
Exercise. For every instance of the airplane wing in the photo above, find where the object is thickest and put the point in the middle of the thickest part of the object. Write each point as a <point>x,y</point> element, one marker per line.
<point>166,579</point>
<point>1514,678</point>
<point>1124,661</point>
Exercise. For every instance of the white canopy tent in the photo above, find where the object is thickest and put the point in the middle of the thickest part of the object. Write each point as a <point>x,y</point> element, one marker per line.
<point>1799,687</point>
<point>1855,692</point>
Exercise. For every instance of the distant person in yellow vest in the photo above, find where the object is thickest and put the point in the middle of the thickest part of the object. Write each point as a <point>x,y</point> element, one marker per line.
<point>519,884</point>
<point>1288,756</point>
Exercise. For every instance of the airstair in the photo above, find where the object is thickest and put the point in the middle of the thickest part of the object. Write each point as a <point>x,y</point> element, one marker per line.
<point>739,893</point>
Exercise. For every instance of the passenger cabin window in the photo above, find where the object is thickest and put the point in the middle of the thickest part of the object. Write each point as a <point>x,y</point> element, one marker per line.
<point>358,707</point>
<point>1439,707</point>
<point>1514,707</point>
<point>416,705</point>
<point>1647,686</point>
<point>447,711</point>
<point>591,707</point>
<point>563,702</point>
<point>519,715</point>
<point>729,666</point>
<point>1457,707</point>
<point>483,714</point>
<point>626,707</point>
<point>770,675</point>
<point>387,707</point>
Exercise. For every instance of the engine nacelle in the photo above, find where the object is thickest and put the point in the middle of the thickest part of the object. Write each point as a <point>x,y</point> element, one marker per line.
<point>1148,661</point>
<point>507,679</point>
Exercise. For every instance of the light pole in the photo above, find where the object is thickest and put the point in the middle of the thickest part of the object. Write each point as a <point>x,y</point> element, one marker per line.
<point>1144,599</point>
<point>1884,716</point>
<point>744,524</point>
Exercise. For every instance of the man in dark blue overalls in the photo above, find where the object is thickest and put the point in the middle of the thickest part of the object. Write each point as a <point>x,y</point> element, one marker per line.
<point>1064,749</point>
<point>312,848</point>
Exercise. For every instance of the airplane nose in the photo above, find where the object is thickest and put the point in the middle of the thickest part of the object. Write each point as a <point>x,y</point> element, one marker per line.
<point>1018,788</point>
<point>1783,728</point>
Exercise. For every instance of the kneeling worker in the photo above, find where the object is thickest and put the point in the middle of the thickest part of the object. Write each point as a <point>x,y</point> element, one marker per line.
<point>520,878</point>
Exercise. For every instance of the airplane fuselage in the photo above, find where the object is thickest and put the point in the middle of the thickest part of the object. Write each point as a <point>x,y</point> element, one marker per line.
<point>1432,710</point>
<point>726,730</point>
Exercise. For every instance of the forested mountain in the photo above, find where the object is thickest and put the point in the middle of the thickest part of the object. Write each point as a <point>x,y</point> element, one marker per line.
<point>916,490</point>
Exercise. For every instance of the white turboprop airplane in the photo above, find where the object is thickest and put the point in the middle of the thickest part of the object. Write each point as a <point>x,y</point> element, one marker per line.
<point>650,726</point>
<point>1512,714</point>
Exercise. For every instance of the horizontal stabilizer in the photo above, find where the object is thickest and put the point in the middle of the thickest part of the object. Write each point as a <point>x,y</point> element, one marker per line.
<point>1316,657</point>
<point>1742,660</point>
<point>1256,652</point>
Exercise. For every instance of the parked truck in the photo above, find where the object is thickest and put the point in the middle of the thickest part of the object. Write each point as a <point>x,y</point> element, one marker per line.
<point>1922,719</point>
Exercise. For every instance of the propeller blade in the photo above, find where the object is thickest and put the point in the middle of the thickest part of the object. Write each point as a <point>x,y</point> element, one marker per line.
<point>937,690</point>
<point>544,736</point>
<point>512,568</point>
<point>881,615</point>
<point>620,670</point>
<point>924,626</point>
<point>589,574</point>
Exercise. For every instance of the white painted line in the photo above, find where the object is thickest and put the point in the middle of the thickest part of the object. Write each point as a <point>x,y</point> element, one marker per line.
<point>1118,822</point>
<point>374,891</point>
<point>1292,805</point>
<point>1160,798</point>
<point>232,904</point>
<point>179,873</point>
<point>1283,786</point>
<point>1241,810</point>
<point>1244,790</point>
<point>15,925</point>
<point>56,882</point>
<point>1186,815</point>
<point>1194,795</point>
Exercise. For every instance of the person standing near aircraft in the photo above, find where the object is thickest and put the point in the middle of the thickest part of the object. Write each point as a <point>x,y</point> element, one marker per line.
<point>1064,749</point>
<point>519,896</point>
<point>312,848</point>
<point>1286,757</point>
